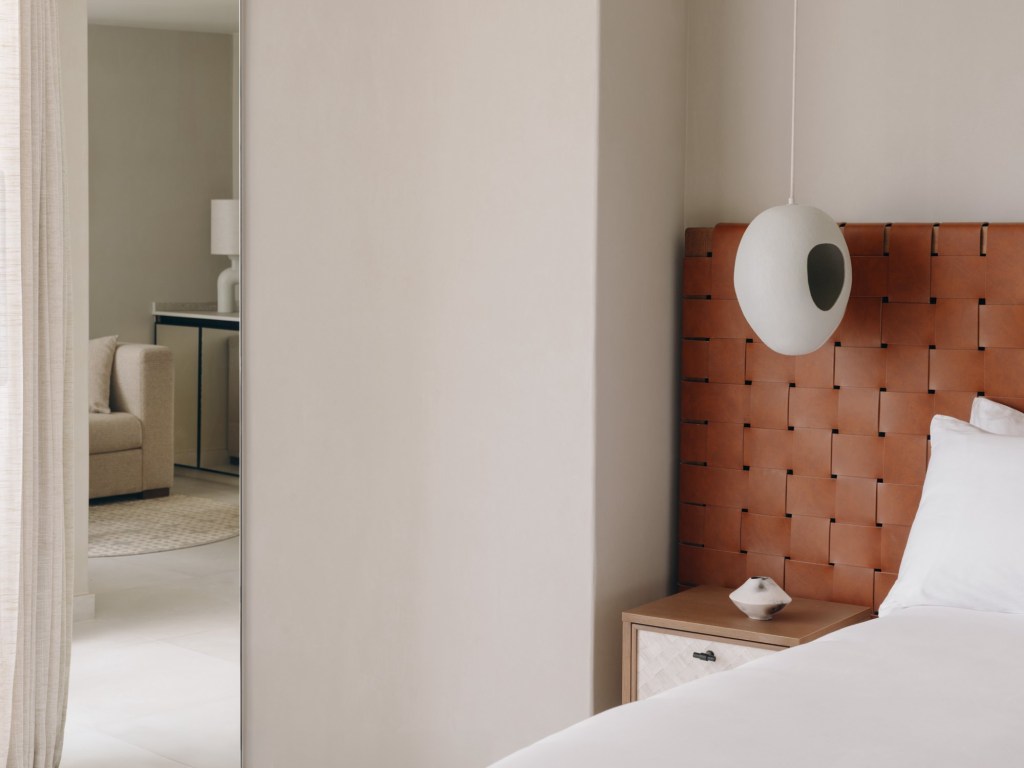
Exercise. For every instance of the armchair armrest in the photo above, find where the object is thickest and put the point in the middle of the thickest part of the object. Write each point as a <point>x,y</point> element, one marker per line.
<point>142,384</point>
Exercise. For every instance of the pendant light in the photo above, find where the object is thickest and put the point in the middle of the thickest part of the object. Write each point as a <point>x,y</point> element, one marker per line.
<point>793,273</point>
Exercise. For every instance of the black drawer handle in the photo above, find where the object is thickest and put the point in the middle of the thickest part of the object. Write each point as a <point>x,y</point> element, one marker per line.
<point>706,656</point>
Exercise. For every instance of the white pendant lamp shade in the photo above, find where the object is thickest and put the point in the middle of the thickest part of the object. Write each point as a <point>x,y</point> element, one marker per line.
<point>792,277</point>
<point>792,272</point>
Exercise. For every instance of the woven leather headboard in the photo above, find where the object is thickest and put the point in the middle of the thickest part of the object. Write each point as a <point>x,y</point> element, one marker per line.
<point>809,469</point>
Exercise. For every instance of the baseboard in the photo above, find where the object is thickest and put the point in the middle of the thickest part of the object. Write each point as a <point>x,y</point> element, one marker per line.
<point>85,607</point>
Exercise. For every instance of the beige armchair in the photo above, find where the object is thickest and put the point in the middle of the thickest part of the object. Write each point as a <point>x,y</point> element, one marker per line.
<point>131,449</point>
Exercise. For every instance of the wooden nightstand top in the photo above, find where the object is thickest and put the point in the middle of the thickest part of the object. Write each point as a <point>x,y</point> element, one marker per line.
<point>708,611</point>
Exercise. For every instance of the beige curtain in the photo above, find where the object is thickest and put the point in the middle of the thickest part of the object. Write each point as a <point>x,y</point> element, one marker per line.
<point>35,393</point>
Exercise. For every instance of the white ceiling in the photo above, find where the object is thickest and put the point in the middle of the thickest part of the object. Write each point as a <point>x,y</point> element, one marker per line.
<point>190,15</point>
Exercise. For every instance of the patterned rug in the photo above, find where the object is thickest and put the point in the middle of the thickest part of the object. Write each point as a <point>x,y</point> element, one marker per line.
<point>156,525</point>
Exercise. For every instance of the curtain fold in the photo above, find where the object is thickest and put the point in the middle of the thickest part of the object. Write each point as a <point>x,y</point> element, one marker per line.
<point>35,393</point>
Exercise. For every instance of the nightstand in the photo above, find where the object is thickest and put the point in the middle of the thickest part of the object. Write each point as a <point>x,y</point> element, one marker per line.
<point>698,632</point>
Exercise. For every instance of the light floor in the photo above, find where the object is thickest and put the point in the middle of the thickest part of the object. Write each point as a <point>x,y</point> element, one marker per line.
<point>155,676</point>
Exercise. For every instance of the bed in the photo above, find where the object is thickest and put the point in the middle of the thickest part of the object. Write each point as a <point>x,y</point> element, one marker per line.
<point>924,686</point>
<point>936,680</point>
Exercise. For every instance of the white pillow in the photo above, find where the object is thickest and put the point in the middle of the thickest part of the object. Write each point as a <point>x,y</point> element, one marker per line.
<point>101,362</point>
<point>996,417</point>
<point>964,546</point>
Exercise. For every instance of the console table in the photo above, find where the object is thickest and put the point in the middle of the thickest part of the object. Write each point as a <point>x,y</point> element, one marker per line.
<point>206,383</point>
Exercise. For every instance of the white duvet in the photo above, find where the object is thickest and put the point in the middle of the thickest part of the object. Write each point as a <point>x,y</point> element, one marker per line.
<point>922,687</point>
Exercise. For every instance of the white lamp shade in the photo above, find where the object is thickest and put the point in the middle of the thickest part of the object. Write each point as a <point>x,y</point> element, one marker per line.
<point>793,278</point>
<point>224,233</point>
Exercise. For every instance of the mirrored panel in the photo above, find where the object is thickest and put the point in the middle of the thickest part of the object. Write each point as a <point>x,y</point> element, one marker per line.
<point>155,668</point>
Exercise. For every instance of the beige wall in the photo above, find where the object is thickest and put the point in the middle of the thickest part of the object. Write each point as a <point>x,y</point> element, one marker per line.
<point>640,211</point>
<point>905,111</point>
<point>420,189</point>
<point>413,561</point>
<point>75,106</point>
<point>160,148</point>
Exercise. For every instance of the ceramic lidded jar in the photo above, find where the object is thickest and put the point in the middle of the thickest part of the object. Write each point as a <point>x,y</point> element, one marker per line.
<point>760,598</point>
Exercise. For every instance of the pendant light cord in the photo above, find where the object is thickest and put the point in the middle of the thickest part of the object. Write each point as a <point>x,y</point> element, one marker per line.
<point>792,114</point>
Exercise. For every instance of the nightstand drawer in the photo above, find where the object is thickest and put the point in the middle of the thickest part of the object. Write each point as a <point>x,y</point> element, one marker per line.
<point>664,658</point>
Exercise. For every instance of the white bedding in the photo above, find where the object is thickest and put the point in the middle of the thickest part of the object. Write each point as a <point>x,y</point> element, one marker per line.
<point>921,687</point>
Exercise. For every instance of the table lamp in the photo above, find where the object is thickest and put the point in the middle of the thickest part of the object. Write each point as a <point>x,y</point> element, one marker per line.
<point>224,241</point>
